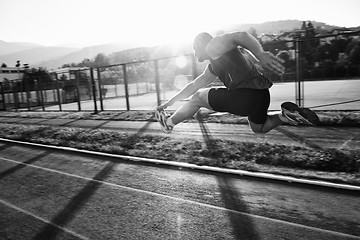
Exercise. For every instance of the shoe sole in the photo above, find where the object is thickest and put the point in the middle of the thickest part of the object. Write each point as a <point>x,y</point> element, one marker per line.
<point>303,115</point>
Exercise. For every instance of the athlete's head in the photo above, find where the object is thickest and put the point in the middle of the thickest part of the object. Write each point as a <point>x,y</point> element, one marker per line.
<point>200,43</point>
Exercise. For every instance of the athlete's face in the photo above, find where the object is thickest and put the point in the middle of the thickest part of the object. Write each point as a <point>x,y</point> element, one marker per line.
<point>200,53</point>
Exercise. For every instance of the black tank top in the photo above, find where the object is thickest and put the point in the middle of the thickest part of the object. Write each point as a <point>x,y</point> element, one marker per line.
<point>236,71</point>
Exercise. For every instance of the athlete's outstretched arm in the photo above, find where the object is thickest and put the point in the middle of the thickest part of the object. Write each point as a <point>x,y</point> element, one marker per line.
<point>201,81</point>
<point>220,45</point>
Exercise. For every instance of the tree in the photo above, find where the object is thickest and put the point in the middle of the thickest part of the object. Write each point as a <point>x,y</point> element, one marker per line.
<point>355,55</point>
<point>66,65</point>
<point>101,60</point>
<point>310,30</point>
<point>288,62</point>
<point>86,62</point>
<point>3,65</point>
<point>310,42</point>
<point>325,53</point>
<point>303,26</point>
<point>63,77</point>
<point>340,44</point>
<point>40,75</point>
<point>351,45</point>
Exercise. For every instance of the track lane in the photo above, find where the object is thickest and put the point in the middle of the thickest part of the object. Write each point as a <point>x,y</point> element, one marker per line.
<point>170,191</point>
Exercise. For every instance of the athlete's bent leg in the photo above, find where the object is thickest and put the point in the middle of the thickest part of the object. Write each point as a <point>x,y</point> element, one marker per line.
<point>198,100</point>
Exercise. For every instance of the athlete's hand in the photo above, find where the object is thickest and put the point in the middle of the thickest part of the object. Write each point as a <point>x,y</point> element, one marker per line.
<point>163,106</point>
<point>160,108</point>
<point>270,62</point>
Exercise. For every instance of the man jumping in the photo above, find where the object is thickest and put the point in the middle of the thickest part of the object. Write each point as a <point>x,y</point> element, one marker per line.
<point>232,59</point>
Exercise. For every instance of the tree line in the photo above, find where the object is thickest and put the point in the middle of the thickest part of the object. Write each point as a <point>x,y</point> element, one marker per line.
<point>321,57</point>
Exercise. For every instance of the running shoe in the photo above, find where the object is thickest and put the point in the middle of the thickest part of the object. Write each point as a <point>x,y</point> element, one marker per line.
<point>296,114</point>
<point>161,117</point>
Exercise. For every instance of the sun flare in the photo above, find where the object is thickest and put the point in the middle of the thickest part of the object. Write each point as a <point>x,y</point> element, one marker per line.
<point>181,61</point>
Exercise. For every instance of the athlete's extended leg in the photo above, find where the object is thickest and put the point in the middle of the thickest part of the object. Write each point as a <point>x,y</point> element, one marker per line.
<point>199,99</point>
<point>291,114</point>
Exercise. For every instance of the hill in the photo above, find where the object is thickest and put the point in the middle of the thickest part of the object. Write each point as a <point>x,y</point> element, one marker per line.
<point>144,53</point>
<point>81,54</point>
<point>277,26</point>
<point>35,55</point>
<point>54,57</point>
<point>14,47</point>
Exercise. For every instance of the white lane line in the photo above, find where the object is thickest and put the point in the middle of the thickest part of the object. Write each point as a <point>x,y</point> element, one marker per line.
<point>189,201</point>
<point>7,204</point>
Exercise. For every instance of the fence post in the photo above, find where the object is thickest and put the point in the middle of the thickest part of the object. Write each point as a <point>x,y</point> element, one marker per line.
<point>54,91</point>
<point>28,94</point>
<point>44,90</point>
<point>77,90</point>
<point>42,96</point>
<point>3,96</point>
<point>157,82</point>
<point>21,87</point>
<point>93,86</point>
<point>116,87</point>
<point>100,89</point>
<point>58,93</point>
<point>37,92</point>
<point>15,95</point>
<point>126,88</point>
<point>299,88</point>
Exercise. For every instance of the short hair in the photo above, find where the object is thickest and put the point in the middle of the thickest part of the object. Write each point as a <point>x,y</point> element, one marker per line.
<point>202,39</point>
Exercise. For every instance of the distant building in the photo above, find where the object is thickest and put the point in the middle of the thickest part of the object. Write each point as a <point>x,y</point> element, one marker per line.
<point>267,37</point>
<point>11,73</point>
<point>337,33</point>
<point>68,73</point>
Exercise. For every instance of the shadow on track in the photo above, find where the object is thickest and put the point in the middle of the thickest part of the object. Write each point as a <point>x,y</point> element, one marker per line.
<point>21,166</point>
<point>5,146</point>
<point>298,138</point>
<point>242,225</point>
<point>75,204</point>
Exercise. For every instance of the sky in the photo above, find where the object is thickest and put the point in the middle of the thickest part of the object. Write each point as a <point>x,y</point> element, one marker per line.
<point>153,22</point>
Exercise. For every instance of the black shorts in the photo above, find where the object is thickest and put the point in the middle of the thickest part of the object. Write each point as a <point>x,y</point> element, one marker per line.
<point>253,103</point>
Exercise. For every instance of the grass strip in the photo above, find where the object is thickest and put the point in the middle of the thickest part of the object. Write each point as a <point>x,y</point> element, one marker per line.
<point>337,165</point>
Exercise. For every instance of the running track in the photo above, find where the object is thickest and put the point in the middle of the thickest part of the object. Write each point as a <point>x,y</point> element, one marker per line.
<point>51,194</point>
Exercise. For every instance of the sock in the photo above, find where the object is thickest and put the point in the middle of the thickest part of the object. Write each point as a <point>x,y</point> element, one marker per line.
<point>281,116</point>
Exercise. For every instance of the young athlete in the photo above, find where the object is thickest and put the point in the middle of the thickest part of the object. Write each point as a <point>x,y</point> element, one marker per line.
<point>232,59</point>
